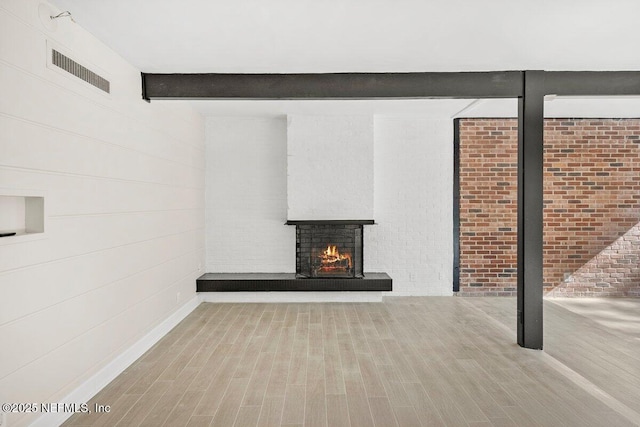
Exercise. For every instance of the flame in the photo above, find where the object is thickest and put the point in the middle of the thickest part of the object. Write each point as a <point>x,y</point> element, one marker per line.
<point>333,260</point>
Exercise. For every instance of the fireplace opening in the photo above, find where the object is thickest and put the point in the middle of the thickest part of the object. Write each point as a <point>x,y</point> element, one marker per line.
<point>332,261</point>
<point>326,249</point>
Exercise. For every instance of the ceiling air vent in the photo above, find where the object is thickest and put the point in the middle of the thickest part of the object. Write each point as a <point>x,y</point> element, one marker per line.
<point>72,67</point>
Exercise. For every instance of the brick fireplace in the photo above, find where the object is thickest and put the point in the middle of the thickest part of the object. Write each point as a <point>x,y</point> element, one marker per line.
<point>329,248</point>
<point>329,257</point>
<point>262,172</point>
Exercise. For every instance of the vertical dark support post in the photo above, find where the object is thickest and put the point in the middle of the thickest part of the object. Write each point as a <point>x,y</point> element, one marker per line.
<point>530,209</point>
<point>456,205</point>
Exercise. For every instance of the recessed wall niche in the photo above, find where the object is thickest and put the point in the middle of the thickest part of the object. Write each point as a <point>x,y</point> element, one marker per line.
<point>21,215</point>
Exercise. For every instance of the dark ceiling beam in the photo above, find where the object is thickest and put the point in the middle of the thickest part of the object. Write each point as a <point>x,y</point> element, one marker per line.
<point>591,83</point>
<point>501,84</point>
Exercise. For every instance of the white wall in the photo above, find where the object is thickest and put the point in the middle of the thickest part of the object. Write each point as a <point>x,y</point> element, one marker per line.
<point>12,210</point>
<point>247,196</point>
<point>413,199</point>
<point>330,167</point>
<point>413,238</point>
<point>123,182</point>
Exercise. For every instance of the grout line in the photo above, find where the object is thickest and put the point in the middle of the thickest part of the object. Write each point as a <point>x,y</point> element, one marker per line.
<point>229,323</point>
<point>346,394</point>
<point>306,370</point>
<point>571,375</point>
<point>322,310</point>
<point>105,285</point>
<point>67,258</point>
<point>94,139</point>
<point>227,357</point>
<point>101,178</point>
<point>116,213</point>
<point>254,371</point>
<point>241,357</point>
<point>366,396</point>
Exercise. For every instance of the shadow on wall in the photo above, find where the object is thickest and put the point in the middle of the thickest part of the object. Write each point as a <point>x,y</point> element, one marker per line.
<point>614,272</point>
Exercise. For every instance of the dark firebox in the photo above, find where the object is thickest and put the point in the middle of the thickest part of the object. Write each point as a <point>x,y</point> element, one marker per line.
<point>327,249</point>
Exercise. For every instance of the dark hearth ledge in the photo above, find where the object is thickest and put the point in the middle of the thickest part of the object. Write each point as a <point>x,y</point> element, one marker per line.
<point>330,222</point>
<point>261,282</point>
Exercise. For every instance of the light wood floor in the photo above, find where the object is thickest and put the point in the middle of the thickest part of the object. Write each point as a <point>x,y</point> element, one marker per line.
<point>429,361</point>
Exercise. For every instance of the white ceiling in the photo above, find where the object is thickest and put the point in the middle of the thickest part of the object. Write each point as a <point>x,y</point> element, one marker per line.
<point>243,36</point>
<point>286,36</point>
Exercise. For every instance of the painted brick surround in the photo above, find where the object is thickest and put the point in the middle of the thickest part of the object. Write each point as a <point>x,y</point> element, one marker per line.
<point>591,193</point>
<point>329,167</point>
<point>408,165</point>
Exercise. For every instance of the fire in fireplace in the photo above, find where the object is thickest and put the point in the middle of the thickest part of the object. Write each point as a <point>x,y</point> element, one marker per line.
<point>331,260</point>
<point>329,248</point>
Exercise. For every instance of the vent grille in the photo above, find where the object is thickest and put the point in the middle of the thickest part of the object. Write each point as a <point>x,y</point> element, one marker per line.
<point>72,67</point>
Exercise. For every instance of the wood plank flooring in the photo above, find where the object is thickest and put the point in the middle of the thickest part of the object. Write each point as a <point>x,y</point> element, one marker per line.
<point>414,361</point>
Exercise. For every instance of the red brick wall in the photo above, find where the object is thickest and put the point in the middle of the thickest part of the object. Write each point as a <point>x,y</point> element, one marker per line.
<point>592,197</point>
<point>488,203</point>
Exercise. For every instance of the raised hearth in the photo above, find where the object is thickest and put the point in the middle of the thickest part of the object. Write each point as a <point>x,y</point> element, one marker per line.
<point>329,257</point>
<point>255,282</point>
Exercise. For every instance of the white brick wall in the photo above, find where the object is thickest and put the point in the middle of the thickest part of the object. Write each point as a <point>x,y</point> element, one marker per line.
<point>246,196</point>
<point>413,205</point>
<point>412,183</point>
<point>330,167</point>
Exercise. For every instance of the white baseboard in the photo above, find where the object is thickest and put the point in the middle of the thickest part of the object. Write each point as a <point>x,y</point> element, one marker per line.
<point>274,297</point>
<point>429,293</point>
<point>97,382</point>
